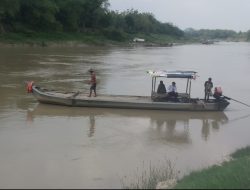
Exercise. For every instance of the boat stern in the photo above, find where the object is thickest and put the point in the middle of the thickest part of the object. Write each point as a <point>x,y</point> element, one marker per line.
<point>223,104</point>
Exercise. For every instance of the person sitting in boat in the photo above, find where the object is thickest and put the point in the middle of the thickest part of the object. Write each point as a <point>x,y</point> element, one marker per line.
<point>172,90</point>
<point>217,93</point>
<point>161,88</point>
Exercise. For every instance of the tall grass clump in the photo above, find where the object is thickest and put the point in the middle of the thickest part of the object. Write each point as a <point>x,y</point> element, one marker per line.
<point>149,176</point>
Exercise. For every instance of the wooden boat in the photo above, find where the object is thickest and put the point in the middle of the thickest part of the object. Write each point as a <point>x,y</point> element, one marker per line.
<point>207,42</point>
<point>155,102</point>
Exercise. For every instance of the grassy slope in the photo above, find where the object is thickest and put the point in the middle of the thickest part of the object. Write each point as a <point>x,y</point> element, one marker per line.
<point>234,174</point>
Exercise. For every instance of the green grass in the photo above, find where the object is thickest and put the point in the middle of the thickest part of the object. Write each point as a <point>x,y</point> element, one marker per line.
<point>234,174</point>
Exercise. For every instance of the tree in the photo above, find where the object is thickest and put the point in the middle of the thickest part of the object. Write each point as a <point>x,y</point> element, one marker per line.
<point>78,16</point>
<point>8,11</point>
<point>38,15</point>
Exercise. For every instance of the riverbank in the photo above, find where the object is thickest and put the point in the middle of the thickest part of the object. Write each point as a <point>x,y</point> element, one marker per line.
<point>233,174</point>
<point>230,174</point>
<point>85,39</point>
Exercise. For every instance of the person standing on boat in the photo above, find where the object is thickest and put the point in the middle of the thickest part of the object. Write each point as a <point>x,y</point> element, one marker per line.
<point>161,88</point>
<point>172,90</point>
<point>92,83</point>
<point>208,88</point>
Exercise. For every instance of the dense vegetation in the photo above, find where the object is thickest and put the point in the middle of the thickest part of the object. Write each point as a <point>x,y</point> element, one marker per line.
<point>78,16</point>
<point>91,20</point>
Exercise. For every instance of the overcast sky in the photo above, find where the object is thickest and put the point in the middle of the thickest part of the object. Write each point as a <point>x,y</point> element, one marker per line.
<point>197,14</point>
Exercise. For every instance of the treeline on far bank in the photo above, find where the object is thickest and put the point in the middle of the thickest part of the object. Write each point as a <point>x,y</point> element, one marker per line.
<point>217,34</point>
<point>90,17</point>
<point>91,20</point>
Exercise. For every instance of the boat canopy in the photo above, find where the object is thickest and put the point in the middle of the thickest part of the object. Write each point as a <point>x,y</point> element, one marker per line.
<point>189,75</point>
<point>173,74</point>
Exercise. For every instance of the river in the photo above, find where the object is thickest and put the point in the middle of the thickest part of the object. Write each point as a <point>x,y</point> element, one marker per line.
<point>46,146</point>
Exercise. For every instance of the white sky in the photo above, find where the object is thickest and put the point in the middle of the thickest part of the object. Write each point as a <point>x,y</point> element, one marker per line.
<point>197,14</point>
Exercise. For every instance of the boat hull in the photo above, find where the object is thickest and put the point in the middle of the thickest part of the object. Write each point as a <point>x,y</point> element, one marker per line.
<point>120,101</point>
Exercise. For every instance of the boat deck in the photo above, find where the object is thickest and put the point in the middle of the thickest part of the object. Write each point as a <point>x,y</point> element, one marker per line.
<point>101,97</point>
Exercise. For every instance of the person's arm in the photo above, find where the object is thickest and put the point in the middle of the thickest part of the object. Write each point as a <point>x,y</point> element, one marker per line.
<point>169,89</point>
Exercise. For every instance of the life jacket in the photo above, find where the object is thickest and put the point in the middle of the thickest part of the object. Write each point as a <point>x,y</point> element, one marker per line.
<point>218,91</point>
<point>29,86</point>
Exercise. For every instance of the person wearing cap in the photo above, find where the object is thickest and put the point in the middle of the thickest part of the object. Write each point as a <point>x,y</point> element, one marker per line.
<point>172,90</point>
<point>208,88</point>
<point>92,83</point>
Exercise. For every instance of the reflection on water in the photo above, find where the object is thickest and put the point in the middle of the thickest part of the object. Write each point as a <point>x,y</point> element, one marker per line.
<point>168,131</point>
<point>92,125</point>
<point>207,125</point>
<point>205,129</point>
<point>164,125</point>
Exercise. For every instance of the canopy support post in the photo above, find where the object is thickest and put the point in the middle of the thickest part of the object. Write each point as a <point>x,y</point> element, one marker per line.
<point>189,89</point>
<point>152,89</point>
<point>187,86</point>
<point>154,83</point>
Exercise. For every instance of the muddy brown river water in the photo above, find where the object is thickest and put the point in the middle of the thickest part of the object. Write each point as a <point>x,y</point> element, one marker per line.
<point>46,146</point>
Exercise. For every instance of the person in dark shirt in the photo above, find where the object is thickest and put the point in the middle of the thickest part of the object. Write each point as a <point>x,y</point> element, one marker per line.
<point>161,88</point>
<point>208,88</point>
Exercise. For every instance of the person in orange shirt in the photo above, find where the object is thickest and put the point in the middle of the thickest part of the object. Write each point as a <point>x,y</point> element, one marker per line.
<point>92,83</point>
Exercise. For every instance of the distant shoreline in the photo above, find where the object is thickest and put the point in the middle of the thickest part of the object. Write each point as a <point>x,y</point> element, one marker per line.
<point>89,40</point>
<point>84,40</point>
<point>79,44</point>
